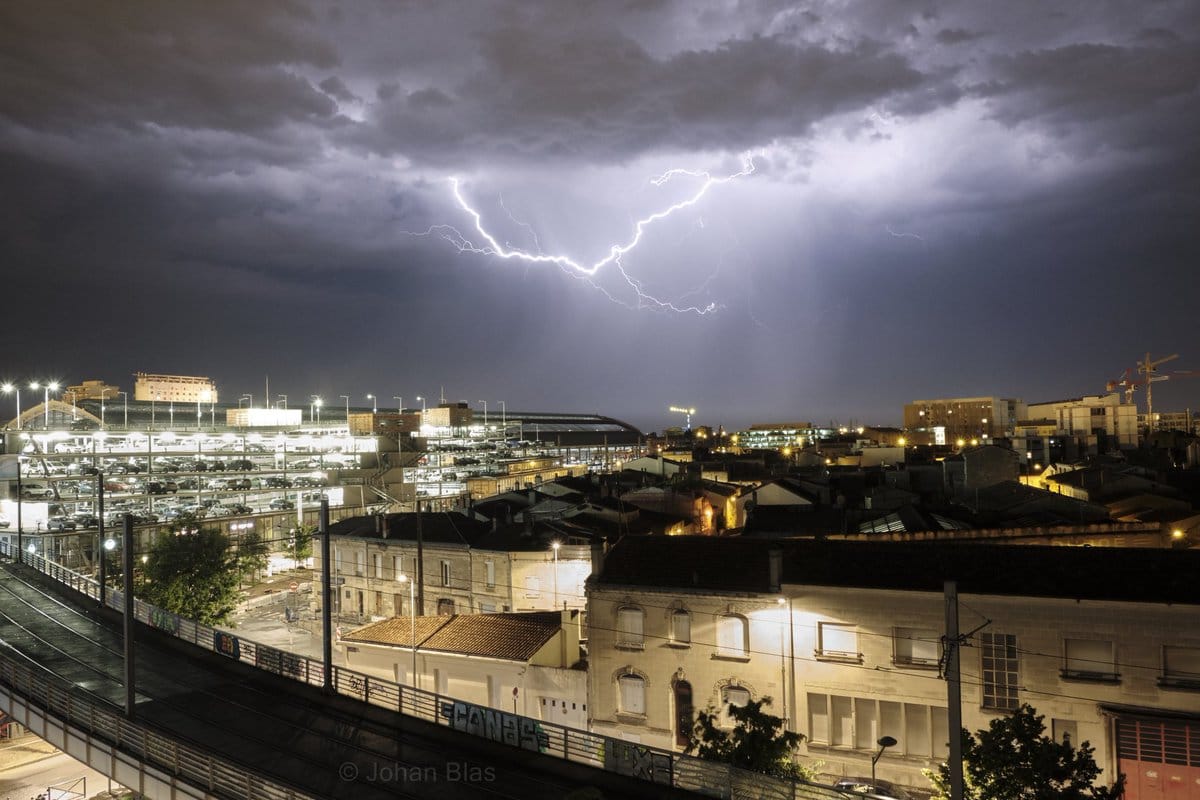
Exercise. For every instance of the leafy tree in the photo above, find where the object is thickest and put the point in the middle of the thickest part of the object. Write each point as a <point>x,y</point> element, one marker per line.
<point>252,555</point>
<point>301,544</point>
<point>1013,759</point>
<point>194,573</point>
<point>757,742</point>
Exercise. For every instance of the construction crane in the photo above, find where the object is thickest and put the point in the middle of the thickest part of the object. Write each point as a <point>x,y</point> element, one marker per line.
<point>686,411</point>
<point>1148,368</point>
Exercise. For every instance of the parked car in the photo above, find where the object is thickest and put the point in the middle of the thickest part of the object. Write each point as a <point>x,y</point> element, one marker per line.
<point>60,523</point>
<point>276,482</point>
<point>87,520</point>
<point>874,789</point>
<point>242,464</point>
<point>36,491</point>
<point>4,520</point>
<point>282,504</point>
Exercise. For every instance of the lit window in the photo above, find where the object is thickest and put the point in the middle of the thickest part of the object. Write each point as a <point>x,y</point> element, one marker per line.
<point>629,627</point>
<point>1089,659</point>
<point>681,627</point>
<point>837,640</point>
<point>732,639</point>
<point>632,694</point>
<point>916,647</point>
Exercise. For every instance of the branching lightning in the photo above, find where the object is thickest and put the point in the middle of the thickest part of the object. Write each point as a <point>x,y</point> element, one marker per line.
<point>490,246</point>
<point>903,235</point>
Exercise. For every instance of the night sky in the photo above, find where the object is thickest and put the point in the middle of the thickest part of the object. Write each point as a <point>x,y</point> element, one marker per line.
<point>941,199</point>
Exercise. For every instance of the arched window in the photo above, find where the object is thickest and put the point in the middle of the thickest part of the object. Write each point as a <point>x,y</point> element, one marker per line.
<point>629,627</point>
<point>631,694</point>
<point>681,627</point>
<point>733,636</point>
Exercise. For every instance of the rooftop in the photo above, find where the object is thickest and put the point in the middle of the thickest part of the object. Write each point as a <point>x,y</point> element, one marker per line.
<point>512,636</point>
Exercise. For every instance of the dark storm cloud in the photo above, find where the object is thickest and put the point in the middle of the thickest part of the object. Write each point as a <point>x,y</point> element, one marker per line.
<point>605,96</point>
<point>191,65</point>
<point>232,181</point>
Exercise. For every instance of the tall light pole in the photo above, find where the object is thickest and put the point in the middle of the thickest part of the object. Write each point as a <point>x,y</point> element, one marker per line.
<point>103,394</point>
<point>422,399</point>
<point>346,397</point>
<point>249,397</point>
<point>283,397</point>
<point>374,403</point>
<point>484,416</point>
<point>884,743</point>
<point>46,389</point>
<point>412,613</point>
<point>555,545</point>
<point>399,403</point>
<point>503,419</point>
<point>10,387</point>
<point>318,402</point>
<point>74,408</point>
<point>125,397</point>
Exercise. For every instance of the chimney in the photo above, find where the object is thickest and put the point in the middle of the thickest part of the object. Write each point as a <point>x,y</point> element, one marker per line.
<point>599,546</point>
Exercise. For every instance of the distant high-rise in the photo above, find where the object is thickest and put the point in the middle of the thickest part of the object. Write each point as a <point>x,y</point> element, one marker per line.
<point>965,417</point>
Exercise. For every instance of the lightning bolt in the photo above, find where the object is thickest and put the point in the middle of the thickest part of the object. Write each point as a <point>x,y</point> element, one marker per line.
<point>490,246</point>
<point>902,235</point>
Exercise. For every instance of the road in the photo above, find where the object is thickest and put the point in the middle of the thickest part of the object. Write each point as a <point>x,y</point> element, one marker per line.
<point>60,771</point>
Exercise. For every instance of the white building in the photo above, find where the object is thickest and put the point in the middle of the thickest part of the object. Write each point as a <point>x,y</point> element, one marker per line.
<point>524,663</point>
<point>846,640</point>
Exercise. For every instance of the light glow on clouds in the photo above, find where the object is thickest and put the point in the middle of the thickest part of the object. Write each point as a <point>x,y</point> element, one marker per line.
<point>491,246</point>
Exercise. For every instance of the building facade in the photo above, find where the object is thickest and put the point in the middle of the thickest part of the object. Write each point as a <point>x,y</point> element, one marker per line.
<point>964,418</point>
<point>847,643</point>
<point>173,388</point>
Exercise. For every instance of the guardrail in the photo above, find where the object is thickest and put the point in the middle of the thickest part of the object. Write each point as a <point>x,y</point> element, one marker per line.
<point>639,761</point>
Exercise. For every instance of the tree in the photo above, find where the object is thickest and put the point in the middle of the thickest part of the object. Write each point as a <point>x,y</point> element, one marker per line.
<point>757,742</point>
<point>252,555</point>
<point>194,573</point>
<point>1013,759</point>
<point>301,543</point>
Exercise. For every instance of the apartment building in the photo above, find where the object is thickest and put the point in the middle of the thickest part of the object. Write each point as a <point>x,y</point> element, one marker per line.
<point>846,640</point>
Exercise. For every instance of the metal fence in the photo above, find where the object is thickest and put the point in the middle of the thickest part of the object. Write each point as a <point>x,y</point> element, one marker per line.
<point>581,747</point>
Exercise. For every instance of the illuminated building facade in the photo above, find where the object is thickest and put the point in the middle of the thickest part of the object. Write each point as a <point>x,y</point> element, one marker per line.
<point>173,388</point>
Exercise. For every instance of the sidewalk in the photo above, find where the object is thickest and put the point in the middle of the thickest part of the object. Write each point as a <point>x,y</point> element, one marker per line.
<point>24,750</point>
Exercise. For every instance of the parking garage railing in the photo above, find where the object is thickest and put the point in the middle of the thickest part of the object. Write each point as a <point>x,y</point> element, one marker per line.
<point>635,760</point>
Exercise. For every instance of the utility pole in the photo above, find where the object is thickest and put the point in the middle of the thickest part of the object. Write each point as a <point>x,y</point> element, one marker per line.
<point>327,590</point>
<point>420,561</point>
<point>951,643</point>
<point>127,568</point>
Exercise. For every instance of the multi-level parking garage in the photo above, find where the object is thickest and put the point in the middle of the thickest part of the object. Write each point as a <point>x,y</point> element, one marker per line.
<point>158,463</point>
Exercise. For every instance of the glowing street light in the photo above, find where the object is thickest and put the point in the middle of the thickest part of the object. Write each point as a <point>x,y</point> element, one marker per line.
<point>314,402</point>
<point>374,403</point>
<point>422,399</point>
<point>555,545</point>
<point>8,388</point>
<point>46,388</point>
<point>399,403</point>
<point>346,397</point>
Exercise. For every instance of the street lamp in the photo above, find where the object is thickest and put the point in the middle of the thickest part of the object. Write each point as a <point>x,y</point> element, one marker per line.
<point>399,403</point>
<point>555,545</point>
<point>9,387</point>
<point>249,397</point>
<point>412,613</point>
<point>125,397</point>
<point>374,404</point>
<point>484,416</point>
<point>884,743</point>
<point>74,409</point>
<point>314,402</point>
<point>346,397</point>
<point>103,395</point>
<point>503,419</point>
<point>46,389</point>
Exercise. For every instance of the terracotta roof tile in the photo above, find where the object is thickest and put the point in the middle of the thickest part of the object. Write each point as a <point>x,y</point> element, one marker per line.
<point>513,636</point>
